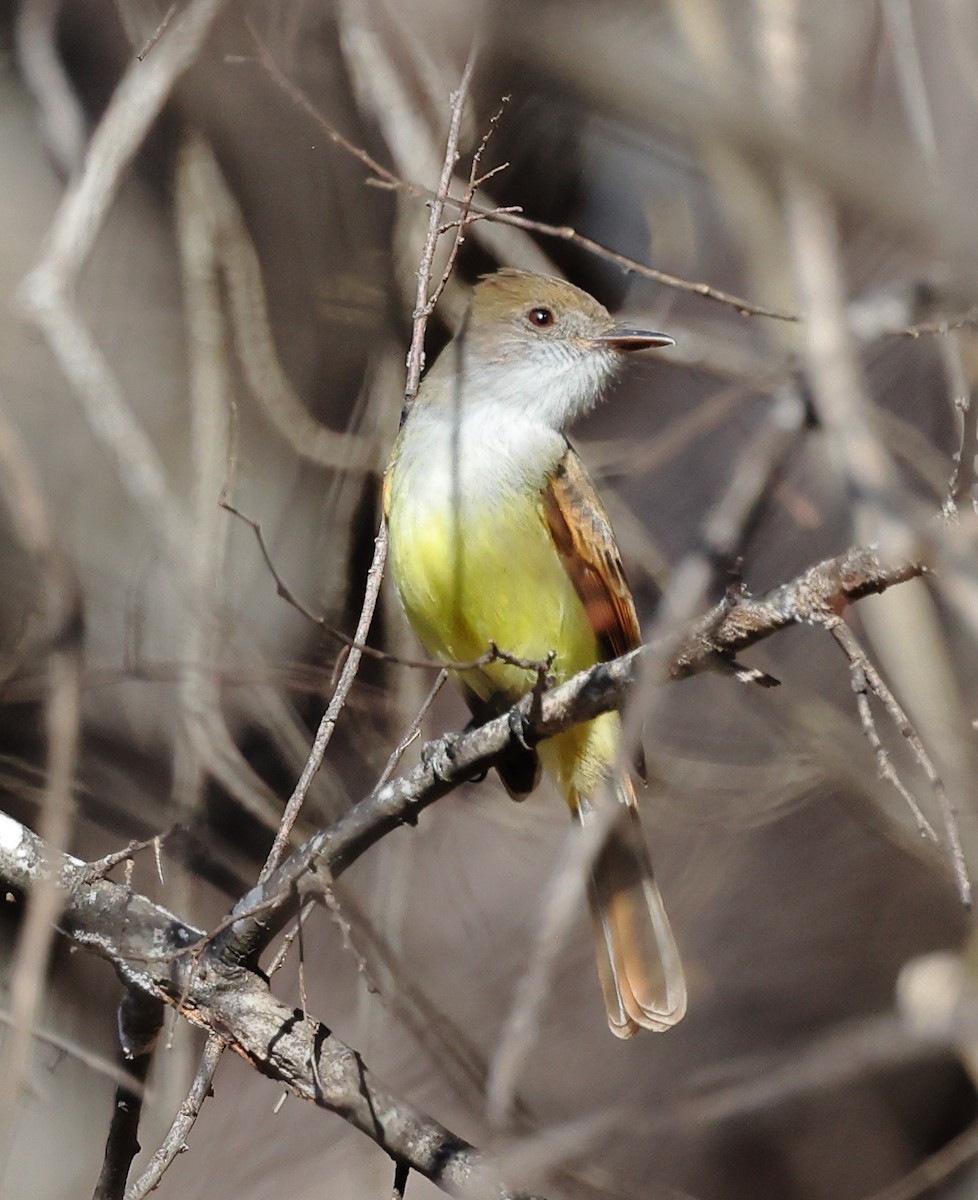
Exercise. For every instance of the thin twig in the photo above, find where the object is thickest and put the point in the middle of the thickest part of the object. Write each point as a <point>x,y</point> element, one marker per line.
<point>342,922</point>
<point>175,1141</point>
<point>493,653</point>
<point>289,596</point>
<point>898,19</point>
<point>446,1044</point>
<point>475,181</point>
<point>632,266</point>
<point>423,303</point>
<point>389,72</point>
<point>414,729</point>
<point>561,232</point>
<point>288,938</point>
<point>337,702</point>
<point>100,867</point>
<point>887,771</point>
<point>936,1169</point>
<point>869,676</point>
<point>157,33</point>
<point>812,598</point>
<point>376,571</point>
<point>939,326</point>
<point>298,97</point>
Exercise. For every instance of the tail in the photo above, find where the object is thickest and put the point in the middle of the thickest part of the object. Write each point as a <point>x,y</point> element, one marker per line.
<point>638,963</point>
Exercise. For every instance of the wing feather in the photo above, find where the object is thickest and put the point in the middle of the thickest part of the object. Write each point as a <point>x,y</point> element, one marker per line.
<point>582,533</point>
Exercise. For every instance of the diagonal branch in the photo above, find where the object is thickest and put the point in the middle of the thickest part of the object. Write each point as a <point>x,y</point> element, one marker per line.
<point>383,176</point>
<point>211,981</point>
<point>415,361</point>
<point>731,627</point>
<point>280,1042</point>
<point>176,1137</point>
<point>215,1044</point>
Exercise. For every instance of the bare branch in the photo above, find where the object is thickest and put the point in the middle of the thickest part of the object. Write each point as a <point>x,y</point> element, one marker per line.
<point>475,181</point>
<point>148,945</point>
<point>140,1022</point>
<point>940,326</point>
<point>934,1170</point>
<point>375,573</point>
<point>298,97</point>
<point>425,299</point>
<point>414,729</point>
<point>298,1051</point>
<point>157,33</point>
<point>731,627</point>
<point>61,115</point>
<point>898,18</point>
<point>868,676</point>
<point>884,766</point>
<point>176,1138</point>
<point>46,293</point>
<point>563,233</point>
<point>102,866</point>
<point>233,252</point>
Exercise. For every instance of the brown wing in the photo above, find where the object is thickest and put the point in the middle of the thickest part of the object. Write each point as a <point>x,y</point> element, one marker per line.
<point>585,540</point>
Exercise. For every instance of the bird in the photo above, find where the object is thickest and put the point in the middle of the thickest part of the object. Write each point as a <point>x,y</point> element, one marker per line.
<point>498,538</point>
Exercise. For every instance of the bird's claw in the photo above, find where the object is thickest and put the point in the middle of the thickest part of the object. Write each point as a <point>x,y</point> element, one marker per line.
<point>434,755</point>
<point>521,730</point>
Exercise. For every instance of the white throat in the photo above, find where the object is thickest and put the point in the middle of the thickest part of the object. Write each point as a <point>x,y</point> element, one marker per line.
<point>488,425</point>
<point>480,454</point>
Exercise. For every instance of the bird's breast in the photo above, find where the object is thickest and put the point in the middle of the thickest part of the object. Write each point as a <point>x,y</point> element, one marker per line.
<point>472,556</point>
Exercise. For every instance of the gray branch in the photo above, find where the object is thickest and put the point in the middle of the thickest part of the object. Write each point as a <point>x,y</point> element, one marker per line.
<point>712,641</point>
<point>145,944</point>
<point>211,979</point>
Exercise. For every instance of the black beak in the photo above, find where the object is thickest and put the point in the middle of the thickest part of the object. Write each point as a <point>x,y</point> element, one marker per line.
<point>626,340</point>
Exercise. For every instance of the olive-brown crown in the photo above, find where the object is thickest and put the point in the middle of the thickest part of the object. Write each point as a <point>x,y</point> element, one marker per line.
<point>537,304</point>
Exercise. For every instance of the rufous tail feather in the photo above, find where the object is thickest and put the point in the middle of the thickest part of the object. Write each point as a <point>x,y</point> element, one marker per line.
<point>638,964</point>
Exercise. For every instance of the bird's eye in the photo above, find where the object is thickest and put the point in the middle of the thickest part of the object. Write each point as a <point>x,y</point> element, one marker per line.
<point>541,318</point>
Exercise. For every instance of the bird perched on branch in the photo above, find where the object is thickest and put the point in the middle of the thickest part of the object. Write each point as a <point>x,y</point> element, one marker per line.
<point>497,537</point>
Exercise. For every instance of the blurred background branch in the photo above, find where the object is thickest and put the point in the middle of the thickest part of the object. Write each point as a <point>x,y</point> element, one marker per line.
<point>219,299</point>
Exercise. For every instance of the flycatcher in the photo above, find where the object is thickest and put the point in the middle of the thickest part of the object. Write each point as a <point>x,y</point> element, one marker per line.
<point>498,536</point>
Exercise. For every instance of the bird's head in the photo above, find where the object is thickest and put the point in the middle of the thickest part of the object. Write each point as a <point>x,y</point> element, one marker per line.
<point>541,344</point>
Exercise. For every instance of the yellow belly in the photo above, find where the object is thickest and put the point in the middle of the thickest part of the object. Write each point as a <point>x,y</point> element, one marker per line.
<point>503,583</point>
